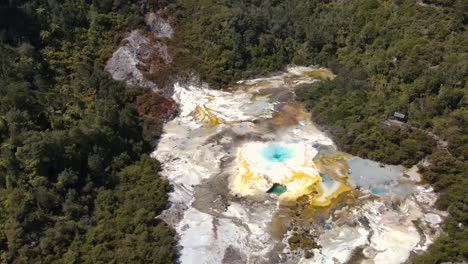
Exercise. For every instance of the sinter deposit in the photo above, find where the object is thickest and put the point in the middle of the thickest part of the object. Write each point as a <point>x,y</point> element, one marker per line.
<point>256,182</point>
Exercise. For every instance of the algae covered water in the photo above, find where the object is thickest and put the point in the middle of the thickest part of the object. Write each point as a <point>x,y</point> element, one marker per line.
<point>277,189</point>
<point>255,181</point>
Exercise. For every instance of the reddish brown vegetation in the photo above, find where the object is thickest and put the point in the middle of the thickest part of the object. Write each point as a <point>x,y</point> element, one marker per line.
<point>154,110</point>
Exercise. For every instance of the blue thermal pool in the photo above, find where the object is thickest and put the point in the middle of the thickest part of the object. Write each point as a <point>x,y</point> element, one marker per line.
<point>326,179</point>
<point>277,189</point>
<point>277,153</point>
<point>378,190</point>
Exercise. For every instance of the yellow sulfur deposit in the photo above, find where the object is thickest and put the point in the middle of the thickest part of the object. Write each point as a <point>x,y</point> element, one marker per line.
<point>325,199</point>
<point>248,182</point>
<point>261,165</point>
<point>321,74</point>
<point>203,113</point>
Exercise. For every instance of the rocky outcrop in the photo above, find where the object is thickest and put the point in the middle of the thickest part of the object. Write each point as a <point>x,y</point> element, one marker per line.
<point>159,26</point>
<point>124,63</point>
<point>142,54</point>
<point>143,61</point>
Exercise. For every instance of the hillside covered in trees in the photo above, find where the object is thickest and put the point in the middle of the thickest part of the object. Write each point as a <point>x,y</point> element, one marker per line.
<point>76,183</point>
<point>400,55</point>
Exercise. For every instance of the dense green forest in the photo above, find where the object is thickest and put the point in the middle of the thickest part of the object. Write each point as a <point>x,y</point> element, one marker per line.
<point>76,183</point>
<point>397,55</point>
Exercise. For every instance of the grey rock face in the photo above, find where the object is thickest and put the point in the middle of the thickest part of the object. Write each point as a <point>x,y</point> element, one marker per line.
<point>136,53</point>
<point>159,26</point>
<point>123,65</point>
<point>161,50</point>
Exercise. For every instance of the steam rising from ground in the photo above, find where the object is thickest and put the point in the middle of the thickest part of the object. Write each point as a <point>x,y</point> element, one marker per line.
<point>227,149</point>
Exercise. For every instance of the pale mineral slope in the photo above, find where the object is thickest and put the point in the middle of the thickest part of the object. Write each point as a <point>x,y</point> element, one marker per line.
<point>227,148</point>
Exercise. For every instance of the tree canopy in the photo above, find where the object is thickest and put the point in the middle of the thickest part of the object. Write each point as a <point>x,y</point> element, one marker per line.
<point>76,183</point>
